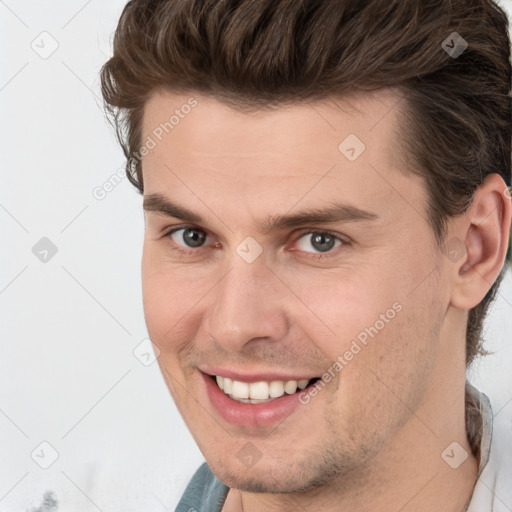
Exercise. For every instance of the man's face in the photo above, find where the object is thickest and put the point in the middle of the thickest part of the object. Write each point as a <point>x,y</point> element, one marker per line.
<point>230,295</point>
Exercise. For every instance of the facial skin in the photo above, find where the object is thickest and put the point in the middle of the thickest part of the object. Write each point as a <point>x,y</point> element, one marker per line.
<point>399,402</point>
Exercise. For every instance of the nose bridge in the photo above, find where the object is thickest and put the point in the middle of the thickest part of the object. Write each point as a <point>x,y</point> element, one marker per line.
<point>246,305</point>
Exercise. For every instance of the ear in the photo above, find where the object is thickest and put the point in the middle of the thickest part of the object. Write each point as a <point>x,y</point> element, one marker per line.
<point>482,239</point>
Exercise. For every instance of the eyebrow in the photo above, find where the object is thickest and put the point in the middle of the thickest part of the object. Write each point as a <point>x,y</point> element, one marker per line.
<point>335,212</point>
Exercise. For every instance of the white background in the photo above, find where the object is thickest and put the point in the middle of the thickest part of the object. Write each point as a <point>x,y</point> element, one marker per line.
<point>68,374</point>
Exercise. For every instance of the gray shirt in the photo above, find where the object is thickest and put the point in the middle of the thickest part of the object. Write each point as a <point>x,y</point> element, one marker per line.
<point>204,493</point>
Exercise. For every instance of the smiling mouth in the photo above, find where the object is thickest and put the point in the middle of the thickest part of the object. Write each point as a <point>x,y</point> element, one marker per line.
<point>262,391</point>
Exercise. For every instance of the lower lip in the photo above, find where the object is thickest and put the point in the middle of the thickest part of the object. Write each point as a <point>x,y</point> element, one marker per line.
<point>265,414</point>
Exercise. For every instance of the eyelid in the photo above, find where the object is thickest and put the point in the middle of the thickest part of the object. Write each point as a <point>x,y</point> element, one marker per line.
<point>314,231</point>
<point>169,230</point>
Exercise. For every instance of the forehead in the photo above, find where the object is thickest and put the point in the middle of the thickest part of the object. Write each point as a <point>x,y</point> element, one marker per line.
<point>203,125</point>
<point>339,148</point>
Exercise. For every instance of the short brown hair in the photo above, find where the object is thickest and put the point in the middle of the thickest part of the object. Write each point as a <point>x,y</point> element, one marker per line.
<point>256,54</point>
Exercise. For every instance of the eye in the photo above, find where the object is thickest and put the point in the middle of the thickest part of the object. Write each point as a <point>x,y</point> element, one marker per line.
<point>320,241</point>
<point>189,240</point>
<point>188,236</point>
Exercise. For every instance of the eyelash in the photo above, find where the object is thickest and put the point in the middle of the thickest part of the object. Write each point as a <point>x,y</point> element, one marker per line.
<point>184,252</point>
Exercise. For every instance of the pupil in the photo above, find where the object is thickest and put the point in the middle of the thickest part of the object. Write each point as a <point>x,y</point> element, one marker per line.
<point>193,238</point>
<point>320,239</point>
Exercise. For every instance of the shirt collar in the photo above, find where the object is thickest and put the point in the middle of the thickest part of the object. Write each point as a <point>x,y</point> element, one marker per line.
<point>485,419</point>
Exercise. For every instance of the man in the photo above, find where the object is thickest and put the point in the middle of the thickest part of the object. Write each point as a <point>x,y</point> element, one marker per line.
<point>327,221</point>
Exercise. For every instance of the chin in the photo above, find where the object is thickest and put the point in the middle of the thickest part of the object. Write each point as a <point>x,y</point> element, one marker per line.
<point>271,477</point>
<point>261,483</point>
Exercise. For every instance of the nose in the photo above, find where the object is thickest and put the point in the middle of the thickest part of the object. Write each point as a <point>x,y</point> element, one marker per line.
<point>248,305</point>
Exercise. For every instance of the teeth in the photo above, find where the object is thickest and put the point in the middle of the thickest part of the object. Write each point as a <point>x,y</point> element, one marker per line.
<point>259,392</point>
<point>240,389</point>
<point>252,401</point>
<point>302,383</point>
<point>276,388</point>
<point>228,386</point>
<point>290,387</point>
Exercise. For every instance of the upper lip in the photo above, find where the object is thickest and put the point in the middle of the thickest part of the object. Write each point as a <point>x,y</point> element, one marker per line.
<point>267,376</point>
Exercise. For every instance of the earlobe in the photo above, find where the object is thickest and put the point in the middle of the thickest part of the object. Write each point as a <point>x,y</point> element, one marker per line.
<point>484,228</point>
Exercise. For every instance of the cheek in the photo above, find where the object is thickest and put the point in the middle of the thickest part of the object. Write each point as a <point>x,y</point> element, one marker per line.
<point>167,298</point>
<point>394,368</point>
<point>374,324</point>
<point>386,380</point>
<point>348,309</point>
